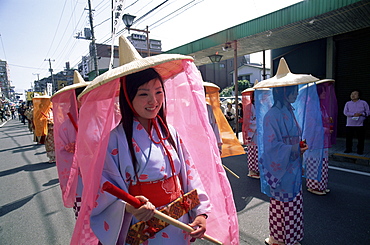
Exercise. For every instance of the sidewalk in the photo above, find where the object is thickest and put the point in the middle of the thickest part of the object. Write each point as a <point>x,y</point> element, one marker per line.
<point>338,158</point>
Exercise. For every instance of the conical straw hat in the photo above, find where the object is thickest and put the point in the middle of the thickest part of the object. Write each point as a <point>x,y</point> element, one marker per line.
<point>284,78</point>
<point>250,89</point>
<point>167,65</point>
<point>78,82</point>
<point>211,87</point>
<point>325,81</point>
<point>37,96</point>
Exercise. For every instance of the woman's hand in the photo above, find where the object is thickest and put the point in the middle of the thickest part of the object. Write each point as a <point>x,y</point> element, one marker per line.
<point>199,224</point>
<point>304,148</point>
<point>145,212</point>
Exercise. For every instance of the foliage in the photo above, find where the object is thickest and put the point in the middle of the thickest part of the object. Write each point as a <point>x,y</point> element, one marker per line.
<point>229,91</point>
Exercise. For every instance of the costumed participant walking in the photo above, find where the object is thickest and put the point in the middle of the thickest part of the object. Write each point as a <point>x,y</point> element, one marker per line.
<point>210,88</point>
<point>65,108</point>
<point>49,139</point>
<point>281,148</point>
<point>41,107</point>
<point>249,129</point>
<point>133,147</point>
<point>329,112</point>
<point>230,143</point>
<point>29,117</point>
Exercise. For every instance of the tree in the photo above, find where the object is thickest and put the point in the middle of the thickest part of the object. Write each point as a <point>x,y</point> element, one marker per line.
<point>229,91</point>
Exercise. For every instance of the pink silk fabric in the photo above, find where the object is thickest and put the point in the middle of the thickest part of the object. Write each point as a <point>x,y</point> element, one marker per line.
<point>186,111</point>
<point>64,140</point>
<point>247,113</point>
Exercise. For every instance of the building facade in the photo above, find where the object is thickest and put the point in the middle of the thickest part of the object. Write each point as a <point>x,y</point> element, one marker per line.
<point>6,89</point>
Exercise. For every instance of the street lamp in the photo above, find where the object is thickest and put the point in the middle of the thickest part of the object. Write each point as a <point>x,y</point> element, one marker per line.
<point>128,20</point>
<point>215,58</point>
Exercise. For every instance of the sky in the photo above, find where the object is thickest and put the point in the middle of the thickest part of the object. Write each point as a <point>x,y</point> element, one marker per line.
<point>34,31</point>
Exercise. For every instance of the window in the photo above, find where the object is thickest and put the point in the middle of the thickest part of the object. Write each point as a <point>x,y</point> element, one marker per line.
<point>244,77</point>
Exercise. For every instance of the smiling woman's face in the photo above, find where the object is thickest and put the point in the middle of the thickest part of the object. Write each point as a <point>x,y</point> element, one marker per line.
<point>148,100</point>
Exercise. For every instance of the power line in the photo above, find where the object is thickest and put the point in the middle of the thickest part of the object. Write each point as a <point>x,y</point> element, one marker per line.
<point>173,13</point>
<point>56,30</point>
<point>28,67</point>
<point>60,40</point>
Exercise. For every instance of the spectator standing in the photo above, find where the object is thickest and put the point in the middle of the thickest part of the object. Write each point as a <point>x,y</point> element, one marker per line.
<point>230,115</point>
<point>356,111</point>
<point>2,114</point>
<point>12,111</point>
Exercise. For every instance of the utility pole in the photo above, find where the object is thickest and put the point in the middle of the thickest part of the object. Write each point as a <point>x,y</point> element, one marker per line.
<point>50,91</point>
<point>93,45</point>
<point>236,87</point>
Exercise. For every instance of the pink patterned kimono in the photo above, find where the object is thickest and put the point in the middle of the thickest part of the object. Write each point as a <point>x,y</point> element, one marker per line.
<point>65,132</point>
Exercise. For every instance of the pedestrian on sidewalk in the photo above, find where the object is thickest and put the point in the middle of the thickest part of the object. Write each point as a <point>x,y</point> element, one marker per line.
<point>2,114</point>
<point>12,111</point>
<point>356,111</point>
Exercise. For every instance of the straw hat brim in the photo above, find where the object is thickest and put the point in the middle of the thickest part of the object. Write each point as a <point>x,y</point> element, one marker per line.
<point>325,81</point>
<point>167,65</point>
<point>248,90</point>
<point>211,87</point>
<point>70,87</point>
<point>288,79</point>
<point>41,97</point>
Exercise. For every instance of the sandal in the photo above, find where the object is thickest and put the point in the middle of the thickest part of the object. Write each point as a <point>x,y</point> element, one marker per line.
<point>253,175</point>
<point>267,242</point>
<point>317,192</point>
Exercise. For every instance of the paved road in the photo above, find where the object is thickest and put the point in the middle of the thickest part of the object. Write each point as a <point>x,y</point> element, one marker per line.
<point>31,210</point>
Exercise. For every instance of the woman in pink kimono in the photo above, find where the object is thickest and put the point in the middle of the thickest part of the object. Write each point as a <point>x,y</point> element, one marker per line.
<point>65,108</point>
<point>249,129</point>
<point>146,158</point>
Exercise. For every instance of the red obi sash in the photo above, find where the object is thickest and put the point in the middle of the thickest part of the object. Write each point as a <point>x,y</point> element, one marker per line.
<point>159,192</point>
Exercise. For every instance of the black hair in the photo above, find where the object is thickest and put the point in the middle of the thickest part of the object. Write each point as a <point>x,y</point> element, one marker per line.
<point>281,93</point>
<point>356,90</point>
<point>79,90</point>
<point>133,82</point>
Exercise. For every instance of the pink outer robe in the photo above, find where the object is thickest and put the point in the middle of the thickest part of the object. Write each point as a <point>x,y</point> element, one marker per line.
<point>64,140</point>
<point>186,111</point>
